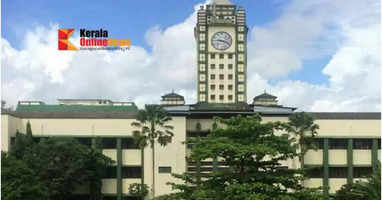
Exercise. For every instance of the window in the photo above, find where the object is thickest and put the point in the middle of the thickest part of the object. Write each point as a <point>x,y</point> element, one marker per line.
<point>111,172</point>
<point>319,142</point>
<point>212,66</point>
<point>212,56</point>
<point>131,172</point>
<point>230,76</point>
<point>338,143</point>
<point>338,172</point>
<point>212,97</point>
<point>241,78</point>
<point>202,77</point>
<point>85,141</point>
<point>241,97</point>
<point>221,56</point>
<point>241,87</point>
<point>202,46</point>
<point>360,172</point>
<point>221,97</point>
<point>241,37</point>
<point>230,87</point>
<point>164,170</point>
<point>212,87</point>
<point>221,87</point>
<point>201,37</point>
<point>202,97</point>
<point>230,97</point>
<point>230,56</point>
<point>13,140</point>
<point>202,67</point>
<point>201,57</point>
<point>316,172</point>
<point>230,66</point>
<point>212,76</point>
<point>109,143</point>
<point>221,66</point>
<point>379,143</point>
<point>241,57</point>
<point>241,47</point>
<point>221,76</point>
<point>128,143</point>
<point>241,68</point>
<point>362,143</point>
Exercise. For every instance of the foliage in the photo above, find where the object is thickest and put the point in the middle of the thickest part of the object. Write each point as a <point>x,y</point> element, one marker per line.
<point>18,180</point>
<point>363,190</point>
<point>253,151</point>
<point>51,168</point>
<point>303,127</point>
<point>152,125</point>
<point>139,190</point>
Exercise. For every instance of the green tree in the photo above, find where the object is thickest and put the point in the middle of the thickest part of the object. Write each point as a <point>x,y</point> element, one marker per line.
<point>253,152</point>
<point>303,127</point>
<point>19,181</point>
<point>152,125</point>
<point>51,169</point>
<point>363,190</point>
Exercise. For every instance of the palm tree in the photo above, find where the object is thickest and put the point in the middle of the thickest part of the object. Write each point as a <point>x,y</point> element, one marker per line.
<point>303,127</point>
<point>152,125</point>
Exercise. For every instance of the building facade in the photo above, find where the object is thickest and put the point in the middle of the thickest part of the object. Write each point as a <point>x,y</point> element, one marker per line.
<point>221,38</point>
<point>349,142</point>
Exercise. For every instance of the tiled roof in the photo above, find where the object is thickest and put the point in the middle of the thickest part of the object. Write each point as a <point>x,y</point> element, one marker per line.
<point>173,95</point>
<point>265,96</point>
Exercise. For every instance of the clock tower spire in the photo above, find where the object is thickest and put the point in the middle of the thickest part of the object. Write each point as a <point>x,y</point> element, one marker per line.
<point>221,38</point>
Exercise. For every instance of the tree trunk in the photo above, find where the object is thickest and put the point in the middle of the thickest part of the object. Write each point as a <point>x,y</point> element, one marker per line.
<point>153,169</point>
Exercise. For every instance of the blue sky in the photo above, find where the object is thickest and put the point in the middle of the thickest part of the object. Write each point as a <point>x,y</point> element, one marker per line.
<point>292,43</point>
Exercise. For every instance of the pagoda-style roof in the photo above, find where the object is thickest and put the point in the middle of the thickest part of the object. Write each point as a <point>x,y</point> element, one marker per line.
<point>222,2</point>
<point>265,95</point>
<point>172,95</point>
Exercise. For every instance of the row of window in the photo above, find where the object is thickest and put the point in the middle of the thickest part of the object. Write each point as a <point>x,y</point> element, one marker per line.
<point>221,56</point>
<point>342,143</point>
<point>221,76</point>
<point>107,143</point>
<point>221,66</point>
<point>221,97</point>
<point>221,87</point>
<point>230,77</point>
<point>340,172</point>
<point>240,67</point>
<point>127,172</point>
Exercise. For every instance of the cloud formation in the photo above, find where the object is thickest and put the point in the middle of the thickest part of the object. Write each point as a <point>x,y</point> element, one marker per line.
<point>346,31</point>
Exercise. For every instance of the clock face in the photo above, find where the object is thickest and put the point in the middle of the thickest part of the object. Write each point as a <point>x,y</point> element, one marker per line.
<point>221,40</point>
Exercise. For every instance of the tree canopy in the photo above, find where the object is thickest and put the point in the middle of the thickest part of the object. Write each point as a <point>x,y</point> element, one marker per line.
<point>252,153</point>
<point>51,169</point>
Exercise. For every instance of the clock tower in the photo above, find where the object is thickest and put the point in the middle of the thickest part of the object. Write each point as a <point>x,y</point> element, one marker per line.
<point>221,37</point>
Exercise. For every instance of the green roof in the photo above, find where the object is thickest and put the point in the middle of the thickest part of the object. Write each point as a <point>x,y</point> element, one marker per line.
<point>73,108</point>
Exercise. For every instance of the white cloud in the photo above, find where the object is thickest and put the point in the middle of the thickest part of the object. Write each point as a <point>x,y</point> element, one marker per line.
<point>347,31</point>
